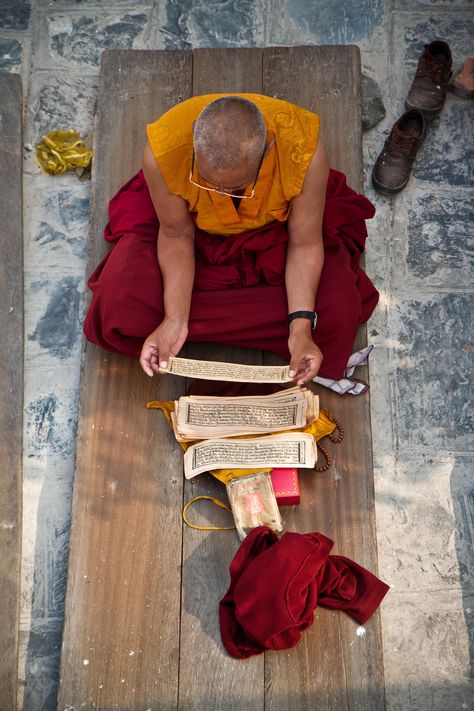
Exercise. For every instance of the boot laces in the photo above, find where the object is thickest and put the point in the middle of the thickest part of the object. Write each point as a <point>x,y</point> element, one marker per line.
<point>431,67</point>
<point>401,142</point>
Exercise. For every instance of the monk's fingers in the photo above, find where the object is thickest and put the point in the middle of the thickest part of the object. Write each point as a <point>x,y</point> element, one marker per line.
<point>298,369</point>
<point>154,363</point>
<point>307,369</point>
<point>149,351</point>
<point>295,366</point>
<point>160,351</point>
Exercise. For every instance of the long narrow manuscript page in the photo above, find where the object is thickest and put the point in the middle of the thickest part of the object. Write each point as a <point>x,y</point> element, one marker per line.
<point>233,372</point>
<point>283,450</point>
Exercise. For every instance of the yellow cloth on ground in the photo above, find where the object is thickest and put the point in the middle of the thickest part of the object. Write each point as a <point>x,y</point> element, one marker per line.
<point>320,428</point>
<point>60,151</point>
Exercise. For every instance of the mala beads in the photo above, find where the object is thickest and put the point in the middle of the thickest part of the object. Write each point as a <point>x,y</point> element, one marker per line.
<point>336,436</point>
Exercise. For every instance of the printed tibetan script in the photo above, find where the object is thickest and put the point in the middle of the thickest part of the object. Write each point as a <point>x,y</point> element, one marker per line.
<point>203,417</point>
<point>233,372</point>
<point>284,450</point>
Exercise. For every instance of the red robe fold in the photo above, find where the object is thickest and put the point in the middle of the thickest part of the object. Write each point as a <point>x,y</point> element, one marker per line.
<point>239,295</point>
<point>276,584</point>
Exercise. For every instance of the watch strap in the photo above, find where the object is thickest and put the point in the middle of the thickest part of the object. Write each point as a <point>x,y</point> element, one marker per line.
<point>311,315</point>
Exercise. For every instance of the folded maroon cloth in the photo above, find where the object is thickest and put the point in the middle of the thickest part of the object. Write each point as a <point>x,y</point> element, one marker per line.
<point>276,584</point>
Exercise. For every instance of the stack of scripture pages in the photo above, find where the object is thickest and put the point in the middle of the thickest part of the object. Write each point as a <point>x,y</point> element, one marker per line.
<point>215,418</point>
<point>201,417</point>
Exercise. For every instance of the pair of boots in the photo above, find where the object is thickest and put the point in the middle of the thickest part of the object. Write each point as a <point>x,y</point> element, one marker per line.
<point>425,99</point>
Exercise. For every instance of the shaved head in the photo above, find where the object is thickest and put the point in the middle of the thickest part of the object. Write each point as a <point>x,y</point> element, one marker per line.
<point>230,132</point>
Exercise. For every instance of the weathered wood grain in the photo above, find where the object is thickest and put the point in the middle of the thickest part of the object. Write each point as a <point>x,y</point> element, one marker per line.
<point>325,80</point>
<point>332,668</point>
<point>121,636</point>
<point>11,380</point>
<point>222,71</point>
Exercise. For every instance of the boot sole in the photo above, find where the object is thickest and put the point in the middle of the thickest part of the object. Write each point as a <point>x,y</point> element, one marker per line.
<point>426,112</point>
<point>386,190</point>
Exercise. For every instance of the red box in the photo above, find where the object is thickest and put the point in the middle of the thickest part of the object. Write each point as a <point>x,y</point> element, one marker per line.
<point>286,486</point>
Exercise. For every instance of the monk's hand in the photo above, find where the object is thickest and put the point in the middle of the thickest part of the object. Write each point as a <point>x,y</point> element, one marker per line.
<point>165,341</point>
<point>306,358</point>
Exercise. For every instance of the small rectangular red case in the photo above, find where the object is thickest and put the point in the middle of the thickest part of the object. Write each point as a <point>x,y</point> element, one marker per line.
<point>286,486</point>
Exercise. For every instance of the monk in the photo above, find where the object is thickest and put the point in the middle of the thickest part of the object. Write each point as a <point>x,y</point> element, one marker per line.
<point>235,231</point>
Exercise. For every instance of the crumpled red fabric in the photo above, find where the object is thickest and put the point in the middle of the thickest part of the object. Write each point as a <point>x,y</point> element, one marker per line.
<point>277,583</point>
<point>239,295</point>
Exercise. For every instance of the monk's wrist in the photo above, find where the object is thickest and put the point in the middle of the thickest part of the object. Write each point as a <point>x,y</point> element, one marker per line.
<point>180,319</point>
<point>300,325</point>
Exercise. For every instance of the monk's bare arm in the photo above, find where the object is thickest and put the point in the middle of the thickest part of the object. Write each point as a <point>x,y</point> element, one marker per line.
<point>175,251</point>
<point>304,264</point>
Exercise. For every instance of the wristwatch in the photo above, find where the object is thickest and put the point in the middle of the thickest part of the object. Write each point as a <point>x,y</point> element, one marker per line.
<point>311,315</point>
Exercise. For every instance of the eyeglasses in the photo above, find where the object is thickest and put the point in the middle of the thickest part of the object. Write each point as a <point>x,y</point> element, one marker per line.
<point>224,192</point>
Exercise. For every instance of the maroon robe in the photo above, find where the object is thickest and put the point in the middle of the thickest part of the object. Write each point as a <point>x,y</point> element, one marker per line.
<point>239,294</point>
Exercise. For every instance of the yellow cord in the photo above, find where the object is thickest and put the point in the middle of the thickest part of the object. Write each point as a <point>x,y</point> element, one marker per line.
<point>206,528</point>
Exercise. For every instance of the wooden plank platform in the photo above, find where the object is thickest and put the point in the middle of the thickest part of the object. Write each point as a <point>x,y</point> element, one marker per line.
<point>141,627</point>
<point>11,380</point>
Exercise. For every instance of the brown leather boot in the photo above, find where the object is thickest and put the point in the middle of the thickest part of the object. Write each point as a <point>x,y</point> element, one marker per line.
<point>428,90</point>
<point>392,168</point>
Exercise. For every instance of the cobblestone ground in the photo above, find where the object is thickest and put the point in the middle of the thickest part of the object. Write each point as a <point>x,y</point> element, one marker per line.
<point>419,255</point>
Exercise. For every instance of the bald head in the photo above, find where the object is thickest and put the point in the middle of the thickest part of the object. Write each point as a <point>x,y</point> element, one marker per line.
<point>230,132</point>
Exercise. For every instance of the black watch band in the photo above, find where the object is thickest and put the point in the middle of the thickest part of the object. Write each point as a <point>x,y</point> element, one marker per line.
<point>311,315</point>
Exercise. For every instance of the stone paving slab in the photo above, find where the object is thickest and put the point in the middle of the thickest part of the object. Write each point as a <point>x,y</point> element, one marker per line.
<point>432,369</point>
<point>39,673</point>
<point>76,39</point>
<point>57,227</point>
<point>190,24</point>
<point>50,414</point>
<point>10,54</point>
<point>59,101</point>
<point>95,4</point>
<point>447,154</point>
<point>426,540</point>
<point>432,5</point>
<point>425,647</point>
<point>14,15</point>
<point>46,532</point>
<point>54,319</point>
<point>433,248</point>
<point>325,22</point>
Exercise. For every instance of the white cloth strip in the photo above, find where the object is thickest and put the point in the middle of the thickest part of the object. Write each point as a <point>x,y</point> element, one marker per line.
<point>348,386</point>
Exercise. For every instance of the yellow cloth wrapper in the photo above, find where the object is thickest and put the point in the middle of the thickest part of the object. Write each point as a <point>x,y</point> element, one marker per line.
<point>61,151</point>
<point>320,428</point>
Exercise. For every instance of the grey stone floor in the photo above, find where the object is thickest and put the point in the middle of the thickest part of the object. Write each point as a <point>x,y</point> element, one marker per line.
<point>420,255</point>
